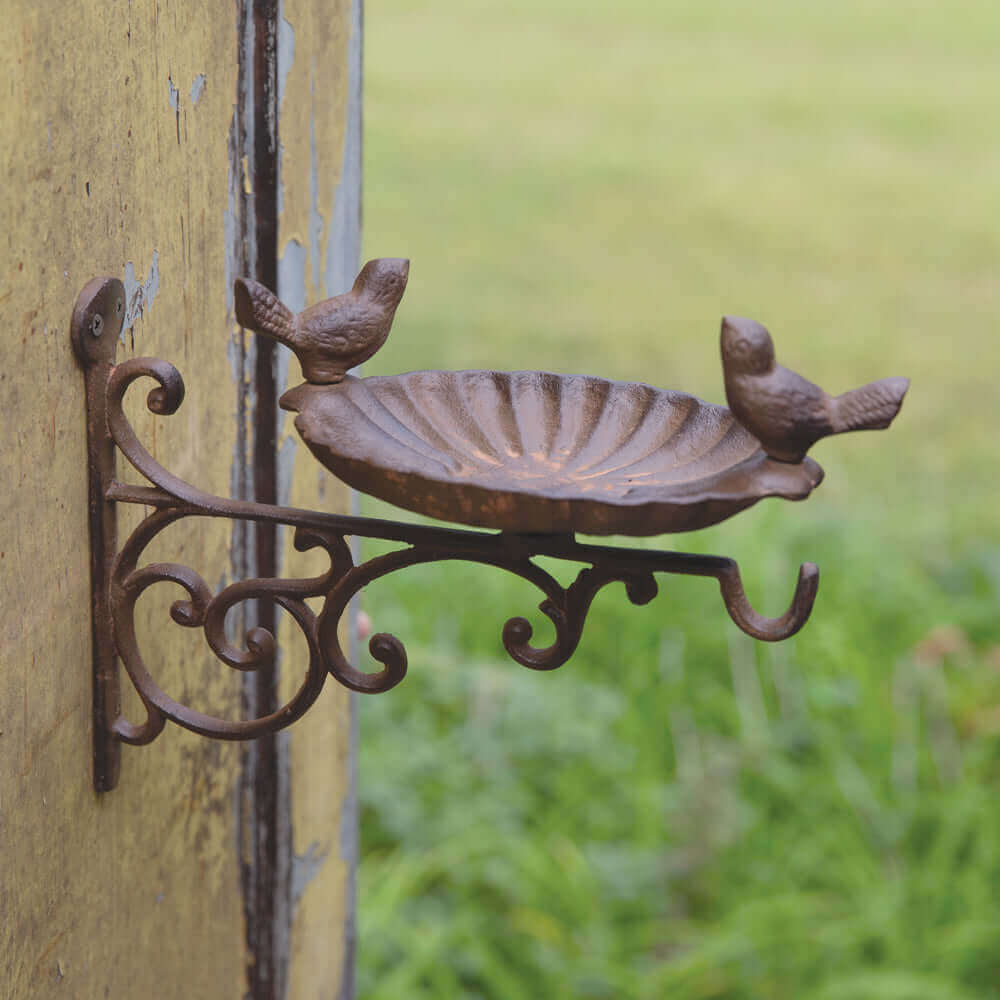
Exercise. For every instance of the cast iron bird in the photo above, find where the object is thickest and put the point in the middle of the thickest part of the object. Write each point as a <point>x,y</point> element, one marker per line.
<point>786,412</point>
<point>334,335</point>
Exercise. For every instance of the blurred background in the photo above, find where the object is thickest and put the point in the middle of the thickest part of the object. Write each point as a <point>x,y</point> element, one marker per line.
<point>679,811</point>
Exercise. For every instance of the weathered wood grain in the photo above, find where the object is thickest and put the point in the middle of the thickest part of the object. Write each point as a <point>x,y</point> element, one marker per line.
<point>120,157</point>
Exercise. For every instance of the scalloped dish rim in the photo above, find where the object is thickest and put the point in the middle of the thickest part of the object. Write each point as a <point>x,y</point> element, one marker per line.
<point>523,508</point>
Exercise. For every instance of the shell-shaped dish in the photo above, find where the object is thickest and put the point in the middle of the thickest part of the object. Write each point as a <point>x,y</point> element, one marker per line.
<point>535,452</point>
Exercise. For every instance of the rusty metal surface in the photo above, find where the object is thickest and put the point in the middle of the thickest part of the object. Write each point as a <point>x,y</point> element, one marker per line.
<point>95,326</point>
<point>787,413</point>
<point>537,452</point>
<point>120,579</point>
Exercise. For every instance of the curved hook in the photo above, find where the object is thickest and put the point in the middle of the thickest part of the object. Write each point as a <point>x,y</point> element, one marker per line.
<point>756,625</point>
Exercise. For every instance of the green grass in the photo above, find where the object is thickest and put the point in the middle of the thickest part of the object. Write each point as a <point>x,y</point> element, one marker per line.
<point>680,812</point>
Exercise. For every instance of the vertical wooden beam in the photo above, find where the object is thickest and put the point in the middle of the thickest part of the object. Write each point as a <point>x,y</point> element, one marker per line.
<point>298,844</point>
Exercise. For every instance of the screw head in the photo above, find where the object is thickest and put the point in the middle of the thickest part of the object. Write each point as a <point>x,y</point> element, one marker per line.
<point>97,318</point>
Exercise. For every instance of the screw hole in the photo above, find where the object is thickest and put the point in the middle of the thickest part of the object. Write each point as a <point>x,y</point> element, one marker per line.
<point>97,325</point>
<point>118,308</point>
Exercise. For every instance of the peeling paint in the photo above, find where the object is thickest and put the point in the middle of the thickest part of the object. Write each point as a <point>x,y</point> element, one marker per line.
<point>286,50</point>
<point>315,216</point>
<point>197,89</point>
<point>286,468</point>
<point>139,296</point>
<point>292,275</point>
<point>292,291</point>
<point>286,56</point>
<point>305,868</point>
<point>343,239</point>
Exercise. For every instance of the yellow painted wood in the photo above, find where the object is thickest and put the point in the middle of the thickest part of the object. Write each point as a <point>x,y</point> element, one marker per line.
<point>315,62</point>
<point>114,143</point>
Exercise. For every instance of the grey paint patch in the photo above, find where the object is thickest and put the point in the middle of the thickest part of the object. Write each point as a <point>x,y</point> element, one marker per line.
<point>286,56</point>
<point>286,466</point>
<point>292,291</point>
<point>174,96</point>
<point>284,470</point>
<point>292,276</point>
<point>231,228</point>
<point>197,88</point>
<point>139,296</point>
<point>343,247</point>
<point>315,217</point>
<point>305,867</point>
<point>286,50</point>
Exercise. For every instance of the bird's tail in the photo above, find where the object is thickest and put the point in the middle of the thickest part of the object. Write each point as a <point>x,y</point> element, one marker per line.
<point>870,408</point>
<point>262,311</point>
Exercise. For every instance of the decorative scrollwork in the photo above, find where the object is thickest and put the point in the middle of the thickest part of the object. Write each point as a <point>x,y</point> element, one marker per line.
<point>565,608</point>
<point>202,610</point>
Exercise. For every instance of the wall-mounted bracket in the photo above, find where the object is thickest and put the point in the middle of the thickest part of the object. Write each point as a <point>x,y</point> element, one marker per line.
<point>118,579</point>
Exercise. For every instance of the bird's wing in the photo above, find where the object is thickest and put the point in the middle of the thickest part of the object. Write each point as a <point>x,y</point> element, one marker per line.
<point>795,400</point>
<point>345,325</point>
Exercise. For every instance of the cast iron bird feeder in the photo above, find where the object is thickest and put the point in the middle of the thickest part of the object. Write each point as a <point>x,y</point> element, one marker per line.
<point>532,456</point>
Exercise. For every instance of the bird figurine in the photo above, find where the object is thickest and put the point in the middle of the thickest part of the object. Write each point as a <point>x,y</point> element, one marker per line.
<point>336,334</point>
<point>786,412</point>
